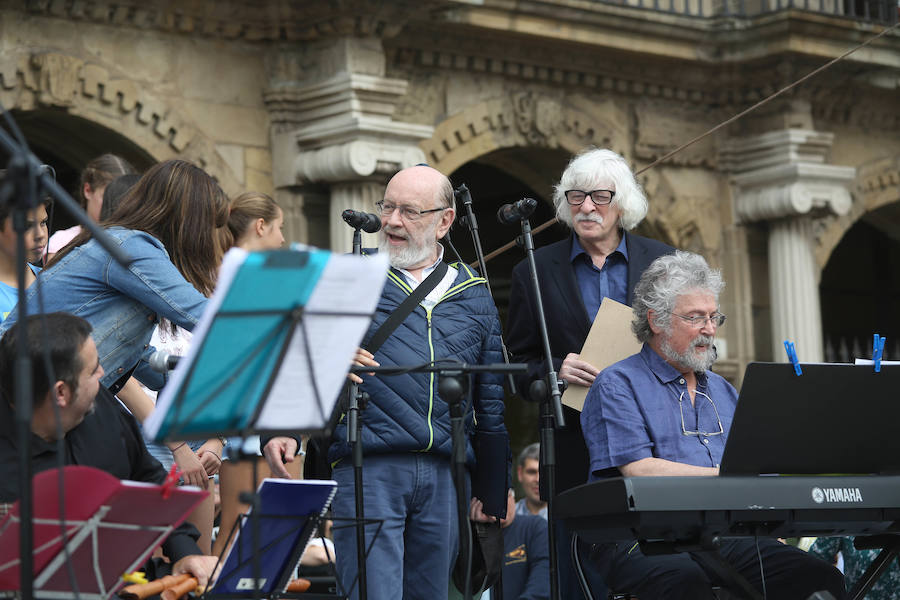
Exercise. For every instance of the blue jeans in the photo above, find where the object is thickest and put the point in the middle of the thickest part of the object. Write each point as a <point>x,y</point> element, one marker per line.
<point>414,552</point>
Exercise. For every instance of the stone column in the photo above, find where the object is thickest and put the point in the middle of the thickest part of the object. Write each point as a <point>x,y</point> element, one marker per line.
<point>334,129</point>
<point>781,178</point>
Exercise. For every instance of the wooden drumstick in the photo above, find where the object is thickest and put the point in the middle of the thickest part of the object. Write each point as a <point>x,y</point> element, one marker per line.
<point>141,591</point>
<point>177,591</point>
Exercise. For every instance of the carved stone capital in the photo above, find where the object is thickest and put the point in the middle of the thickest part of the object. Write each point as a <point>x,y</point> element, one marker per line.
<point>793,190</point>
<point>784,174</point>
<point>354,161</point>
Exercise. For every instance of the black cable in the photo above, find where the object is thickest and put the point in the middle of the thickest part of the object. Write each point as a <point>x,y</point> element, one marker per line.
<point>762,573</point>
<point>452,247</point>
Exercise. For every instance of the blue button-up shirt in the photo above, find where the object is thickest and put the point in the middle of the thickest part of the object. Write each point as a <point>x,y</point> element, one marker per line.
<point>596,284</point>
<point>632,411</point>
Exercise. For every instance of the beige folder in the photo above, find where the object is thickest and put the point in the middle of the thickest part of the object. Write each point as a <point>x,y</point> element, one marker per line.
<point>609,341</point>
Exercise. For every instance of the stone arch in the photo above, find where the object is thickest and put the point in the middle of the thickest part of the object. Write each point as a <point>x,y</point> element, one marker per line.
<point>526,119</point>
<point>83,88</point>
<point>877,185</point>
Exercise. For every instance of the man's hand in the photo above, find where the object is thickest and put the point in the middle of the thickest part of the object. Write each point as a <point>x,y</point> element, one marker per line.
<point>191,468</point>
<point>363,358</point>
<point>198,565</point>
<point>210,455</point>
<point>575,370</point>
<point>278,451</point>
<point>477,514</point>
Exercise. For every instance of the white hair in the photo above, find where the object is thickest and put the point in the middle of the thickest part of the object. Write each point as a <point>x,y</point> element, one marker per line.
<point>587,170</point>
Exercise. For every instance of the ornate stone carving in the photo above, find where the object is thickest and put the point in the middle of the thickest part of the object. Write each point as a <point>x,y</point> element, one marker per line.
<point>664,126</point>
<point>525,119</point>
<point>537,118</point>
<point>69,82</point>
<point>57,78</point>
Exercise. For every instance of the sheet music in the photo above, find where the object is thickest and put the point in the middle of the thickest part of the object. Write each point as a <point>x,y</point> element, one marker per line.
<point>344,289</point>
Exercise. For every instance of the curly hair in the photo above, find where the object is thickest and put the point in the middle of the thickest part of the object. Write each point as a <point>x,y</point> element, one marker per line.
<point>667,278</point>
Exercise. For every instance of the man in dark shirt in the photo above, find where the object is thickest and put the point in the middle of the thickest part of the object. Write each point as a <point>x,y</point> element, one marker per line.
<point>526,556</point>
<point>96,430</point>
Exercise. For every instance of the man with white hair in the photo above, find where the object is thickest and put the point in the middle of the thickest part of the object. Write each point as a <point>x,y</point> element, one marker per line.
<point>600,199</point>
<point>662,412</point>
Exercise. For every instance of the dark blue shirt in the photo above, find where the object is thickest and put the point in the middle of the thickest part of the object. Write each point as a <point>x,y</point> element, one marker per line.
<point>596,284</point>
<point>632,411</point>
<point>526,559</point>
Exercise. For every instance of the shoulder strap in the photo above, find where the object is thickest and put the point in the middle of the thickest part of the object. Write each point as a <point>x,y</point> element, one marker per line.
<point>401,312</point>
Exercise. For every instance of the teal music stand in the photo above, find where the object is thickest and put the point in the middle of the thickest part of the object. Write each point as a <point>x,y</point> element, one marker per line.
<point>272,350</point>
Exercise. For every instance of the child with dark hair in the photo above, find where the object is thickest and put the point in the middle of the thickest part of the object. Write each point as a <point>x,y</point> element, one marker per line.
<point>35,241</point>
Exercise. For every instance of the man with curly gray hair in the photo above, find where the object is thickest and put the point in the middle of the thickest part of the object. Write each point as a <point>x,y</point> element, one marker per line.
<point>662,412</point>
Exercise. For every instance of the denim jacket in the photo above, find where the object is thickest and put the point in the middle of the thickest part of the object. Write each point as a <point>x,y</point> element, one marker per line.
<point>122,305</point>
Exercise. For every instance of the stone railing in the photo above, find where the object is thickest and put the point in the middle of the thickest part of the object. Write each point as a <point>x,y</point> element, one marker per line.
<point>874,11</point>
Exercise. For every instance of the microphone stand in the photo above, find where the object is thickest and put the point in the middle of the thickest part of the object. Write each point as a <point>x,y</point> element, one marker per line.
<point>357,400</point>
<point>26,180</point>
<point>462,194</point>
<point>550,393</point>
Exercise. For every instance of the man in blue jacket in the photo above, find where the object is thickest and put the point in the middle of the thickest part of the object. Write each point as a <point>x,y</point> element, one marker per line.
<point>406,424</point>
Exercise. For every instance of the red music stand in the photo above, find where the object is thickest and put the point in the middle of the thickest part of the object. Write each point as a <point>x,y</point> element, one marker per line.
<point>111,528</point>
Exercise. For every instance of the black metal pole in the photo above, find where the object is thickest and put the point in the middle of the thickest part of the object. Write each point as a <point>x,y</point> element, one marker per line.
<point>354,438</point>
<point>452,389</point>
<point>551,410</point>
<point>29,179</point>
<point>25,198</point>
<point>463,195</point>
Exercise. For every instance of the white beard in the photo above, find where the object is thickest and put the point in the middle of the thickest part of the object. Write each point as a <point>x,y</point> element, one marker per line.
<point>415,252</point>
<point>698,363</point>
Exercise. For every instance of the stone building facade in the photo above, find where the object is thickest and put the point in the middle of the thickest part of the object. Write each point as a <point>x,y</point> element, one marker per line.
<point>319,102</point>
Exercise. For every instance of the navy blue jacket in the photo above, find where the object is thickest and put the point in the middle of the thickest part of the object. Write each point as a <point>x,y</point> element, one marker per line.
<point>405,413</point>
<point>526,559</point>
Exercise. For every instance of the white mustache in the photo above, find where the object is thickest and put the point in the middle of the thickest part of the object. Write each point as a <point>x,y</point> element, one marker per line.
<point>589,217</point>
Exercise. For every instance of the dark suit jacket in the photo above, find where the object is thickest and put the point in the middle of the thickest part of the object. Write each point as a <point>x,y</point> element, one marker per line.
<point>567,326</point>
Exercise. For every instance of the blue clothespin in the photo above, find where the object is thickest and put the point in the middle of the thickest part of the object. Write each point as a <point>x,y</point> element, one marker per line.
<point>877,351</point>
<point>792,356</point>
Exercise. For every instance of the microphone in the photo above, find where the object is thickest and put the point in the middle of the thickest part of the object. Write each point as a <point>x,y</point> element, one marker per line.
<point>163,361</point>
<point>516,211</point>
<point>361,220</point>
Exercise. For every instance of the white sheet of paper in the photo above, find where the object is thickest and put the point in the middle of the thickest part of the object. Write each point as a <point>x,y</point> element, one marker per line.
<point>609,341</point>
<point>349,284</point>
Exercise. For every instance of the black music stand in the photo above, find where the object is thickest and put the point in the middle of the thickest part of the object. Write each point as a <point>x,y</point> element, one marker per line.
<point>834,418</point>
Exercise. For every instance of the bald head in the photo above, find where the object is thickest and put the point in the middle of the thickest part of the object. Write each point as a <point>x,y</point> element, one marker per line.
<point>426,183</point>
<point>418,210</point>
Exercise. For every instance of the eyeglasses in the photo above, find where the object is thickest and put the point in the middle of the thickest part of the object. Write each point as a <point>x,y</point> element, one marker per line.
<point>698,432</point>
<point>406,212</point>
<point>598,197</point>
<point>697,322</point>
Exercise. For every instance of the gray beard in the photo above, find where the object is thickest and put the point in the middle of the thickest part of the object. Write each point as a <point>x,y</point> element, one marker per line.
<point>690,359</point>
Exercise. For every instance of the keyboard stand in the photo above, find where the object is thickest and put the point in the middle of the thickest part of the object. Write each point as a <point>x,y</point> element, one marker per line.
<point>890,545</point>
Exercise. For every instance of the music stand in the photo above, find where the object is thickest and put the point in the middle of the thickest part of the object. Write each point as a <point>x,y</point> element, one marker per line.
<point>834,418</point>
<point>272,349</point>
<point>290,514</point>
<point>112,527</point>
<point>271,352</point>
